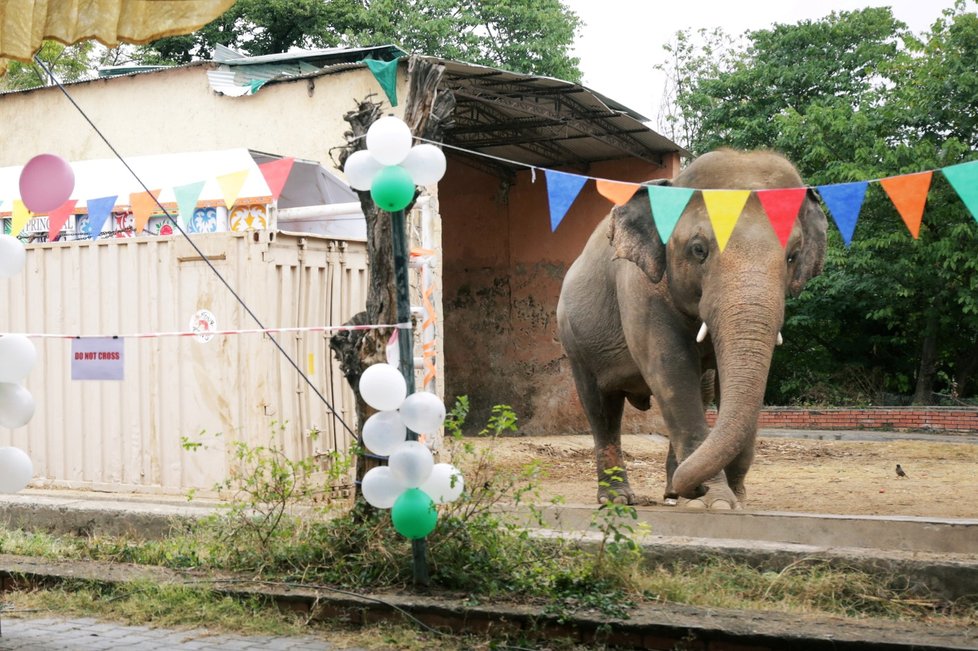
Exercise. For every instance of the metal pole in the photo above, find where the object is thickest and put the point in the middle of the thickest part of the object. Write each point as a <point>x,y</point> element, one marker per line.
<point>405,339</point>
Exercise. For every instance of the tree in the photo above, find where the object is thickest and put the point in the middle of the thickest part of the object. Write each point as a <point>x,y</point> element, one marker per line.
<point>855,96</point>
<point>69,63</point>
<point>529,36</point>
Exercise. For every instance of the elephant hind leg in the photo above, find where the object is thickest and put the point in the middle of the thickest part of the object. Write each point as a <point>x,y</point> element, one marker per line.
<point>604,410</point>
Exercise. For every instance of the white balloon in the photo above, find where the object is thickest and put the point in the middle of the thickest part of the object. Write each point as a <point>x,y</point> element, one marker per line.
<point>411,463</point>
<point>382,387</point>
<point>16,470</point>
<point>17,357</point>
<point>425,163</point>
<point>360,169</point>
<point>389,140</point>
<point>12,256</point>
<point>380,488</point>
<point>383,432</point>
<point>16,405</point>
<point>423,412</point>
<point>445,483</point>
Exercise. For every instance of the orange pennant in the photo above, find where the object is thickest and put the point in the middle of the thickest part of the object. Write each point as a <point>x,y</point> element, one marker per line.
<point>143,204</point>
<point>908,193</point>
<point>58,217</point>
<point>617,192</point>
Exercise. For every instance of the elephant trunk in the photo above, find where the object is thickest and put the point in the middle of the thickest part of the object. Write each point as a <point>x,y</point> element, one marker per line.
<point>744,328</point>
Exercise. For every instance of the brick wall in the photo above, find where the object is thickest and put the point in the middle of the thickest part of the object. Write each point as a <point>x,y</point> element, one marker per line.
<point>956,419</point>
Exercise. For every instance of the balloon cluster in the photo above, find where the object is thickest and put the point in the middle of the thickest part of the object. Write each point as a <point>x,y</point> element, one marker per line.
<point>390,167</point>
<point>17,358</point>
<point>411,483</point>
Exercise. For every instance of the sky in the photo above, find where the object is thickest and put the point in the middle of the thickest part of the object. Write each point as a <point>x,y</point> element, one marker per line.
<point>621,40</point>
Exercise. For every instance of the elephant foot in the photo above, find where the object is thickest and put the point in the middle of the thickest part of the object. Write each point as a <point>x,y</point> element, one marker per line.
<point>618,493</point>
<point>670,498</point>
<point>699,504</point>
<point>717,496</point>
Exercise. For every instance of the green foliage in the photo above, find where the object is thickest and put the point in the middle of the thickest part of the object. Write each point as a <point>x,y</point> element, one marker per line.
<point>856,96</point>
<point>524,36</point>
<point>68,63</point>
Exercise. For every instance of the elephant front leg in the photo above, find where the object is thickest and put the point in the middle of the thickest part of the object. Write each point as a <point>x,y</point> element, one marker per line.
<point>612,478</point>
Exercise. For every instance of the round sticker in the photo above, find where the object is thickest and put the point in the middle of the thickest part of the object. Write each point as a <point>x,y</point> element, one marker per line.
<point>203,324</point>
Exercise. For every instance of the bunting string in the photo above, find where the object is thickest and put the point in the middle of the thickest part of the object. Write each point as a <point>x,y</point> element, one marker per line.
<point>242,331</point>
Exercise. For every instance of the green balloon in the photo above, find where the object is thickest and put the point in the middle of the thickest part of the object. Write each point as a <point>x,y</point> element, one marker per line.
<point>414,514</point>
<point>392,188</point>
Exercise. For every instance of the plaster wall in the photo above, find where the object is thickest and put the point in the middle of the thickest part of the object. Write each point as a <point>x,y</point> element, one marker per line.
<point>176,110</point>
<point>503,272</point>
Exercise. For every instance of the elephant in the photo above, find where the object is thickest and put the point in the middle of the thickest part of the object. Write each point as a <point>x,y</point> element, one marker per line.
<point>688,324</point>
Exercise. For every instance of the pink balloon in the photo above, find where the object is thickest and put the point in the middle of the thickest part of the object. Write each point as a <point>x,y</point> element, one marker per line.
<point>46,182</point>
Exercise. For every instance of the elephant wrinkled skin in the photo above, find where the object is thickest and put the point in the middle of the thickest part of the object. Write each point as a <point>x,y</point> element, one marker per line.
<point>631,312</point>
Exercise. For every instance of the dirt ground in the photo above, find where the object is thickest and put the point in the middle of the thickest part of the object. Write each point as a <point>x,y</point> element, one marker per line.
<point>841,477</point>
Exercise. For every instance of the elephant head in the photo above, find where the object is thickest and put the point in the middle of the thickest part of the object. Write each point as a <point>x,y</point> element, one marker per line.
<point>737,295</point>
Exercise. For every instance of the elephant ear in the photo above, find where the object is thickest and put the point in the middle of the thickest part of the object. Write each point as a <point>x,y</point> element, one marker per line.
<point>635,237</point>
<point>812,254</point>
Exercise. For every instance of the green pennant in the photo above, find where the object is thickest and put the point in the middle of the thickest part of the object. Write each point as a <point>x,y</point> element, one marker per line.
<point>385,72</point>
<point>668,204</point>
<point>964,179</point>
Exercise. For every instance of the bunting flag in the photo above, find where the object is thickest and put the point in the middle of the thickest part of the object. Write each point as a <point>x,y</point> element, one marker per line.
<point>19,216</point>
<point>668,204</point>
<point>724,208</point>
<point>562,189</point>
<point>617,192</point>
<point>143,205</point>
<point>964,179</point>
<point>231,185</point>
<point>844,200</point>
<point>908,193</point>
<point>276,172</point>
<point>782,208</point>
<point>186,196</point>
<point>385,72</point>
<point>99,211</point>
<point>58,217</point>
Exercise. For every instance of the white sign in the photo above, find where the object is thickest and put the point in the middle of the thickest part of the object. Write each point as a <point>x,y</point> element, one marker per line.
<point>98,358</point>
<point>203,324</point>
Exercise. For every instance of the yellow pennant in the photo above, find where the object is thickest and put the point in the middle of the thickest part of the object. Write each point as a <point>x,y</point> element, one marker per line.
<point>19,215</point>
<point>724,208</point>
<point>231,185</point>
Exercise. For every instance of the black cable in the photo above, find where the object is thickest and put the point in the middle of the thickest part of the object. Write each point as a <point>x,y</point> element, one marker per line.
<point>196,248</point>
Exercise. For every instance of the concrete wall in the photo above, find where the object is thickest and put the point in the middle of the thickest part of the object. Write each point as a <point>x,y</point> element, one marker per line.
<point>503,271</point>
<point>175,110</point>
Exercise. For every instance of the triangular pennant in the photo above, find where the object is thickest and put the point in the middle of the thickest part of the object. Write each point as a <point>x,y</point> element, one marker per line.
<point>844,200</point>
<point>19,216</point>
<point>143,204</point>
<point>617,192</point>
<point>782,208</point>
<point>724,208</point>
<point>562,189</point>
<point>668,204</point>
<point>908,192</point>
<point>231,185</point>
<point>385,72</point>
<point>58,217</point>
<point>186,196</point>
<point>276,172</point>
<point>964,179</point>
<point>98,211</point>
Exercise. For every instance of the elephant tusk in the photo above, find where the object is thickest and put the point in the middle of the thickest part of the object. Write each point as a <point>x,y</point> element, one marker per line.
<point>780,338</point>
<point>701,335</point>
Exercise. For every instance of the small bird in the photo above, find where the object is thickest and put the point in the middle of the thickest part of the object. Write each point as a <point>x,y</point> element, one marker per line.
<point>900,472</point>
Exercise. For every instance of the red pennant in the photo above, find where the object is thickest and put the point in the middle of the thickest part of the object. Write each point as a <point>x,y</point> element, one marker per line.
<point>617,192</point>
<point>58,217</point>
<point>782,208</point>
<point>908,193</point>
<point>276,172</point>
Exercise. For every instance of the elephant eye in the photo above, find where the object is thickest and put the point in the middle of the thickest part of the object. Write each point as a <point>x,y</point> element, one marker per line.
<point>698,250</point>
<point>792,257</point>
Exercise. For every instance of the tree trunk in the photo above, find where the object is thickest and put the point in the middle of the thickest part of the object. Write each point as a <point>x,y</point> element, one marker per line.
<point>924,392</point>
<point>428,114</point>
<point>965,367</point>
